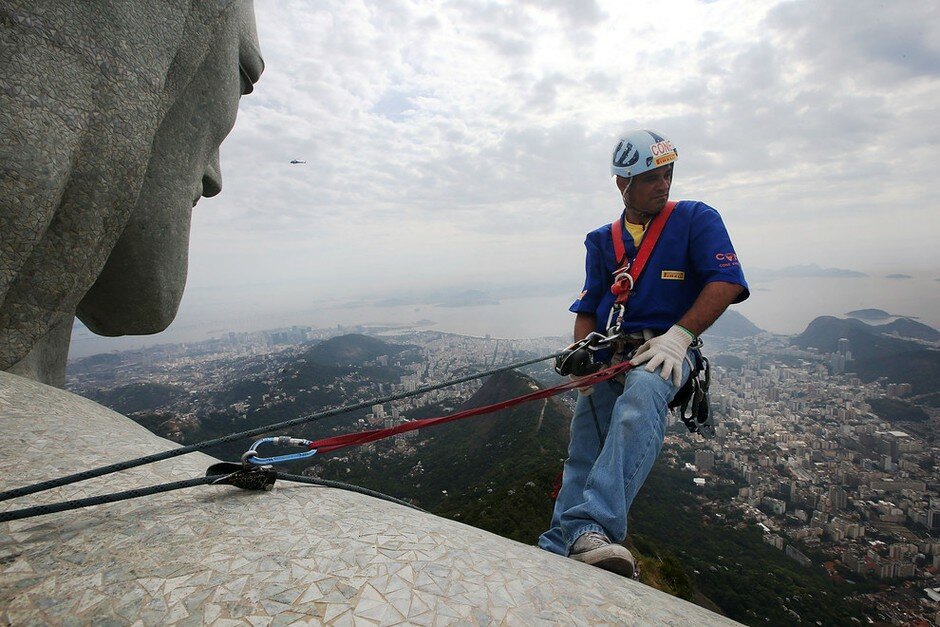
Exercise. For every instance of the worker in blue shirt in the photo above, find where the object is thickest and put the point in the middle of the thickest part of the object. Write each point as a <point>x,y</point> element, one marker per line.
<point>690,278</point>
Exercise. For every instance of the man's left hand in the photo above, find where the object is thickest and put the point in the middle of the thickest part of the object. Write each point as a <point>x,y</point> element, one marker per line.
<point>667,350</point>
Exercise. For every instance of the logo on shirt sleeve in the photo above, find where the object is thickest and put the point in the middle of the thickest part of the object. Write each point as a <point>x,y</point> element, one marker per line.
<point>673,275</point>
<point>581,295</point>
<point>726,260</point>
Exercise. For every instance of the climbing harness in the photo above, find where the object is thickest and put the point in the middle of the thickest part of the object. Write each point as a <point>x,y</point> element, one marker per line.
<point>579,358</point>
<point>628,272</point>
<point>691,401</point>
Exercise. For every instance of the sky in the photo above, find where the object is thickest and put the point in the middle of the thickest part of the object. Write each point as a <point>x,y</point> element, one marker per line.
<point>467,143</point>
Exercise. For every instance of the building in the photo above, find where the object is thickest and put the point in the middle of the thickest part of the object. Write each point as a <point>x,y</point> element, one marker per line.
<point>838,498</point>
<point>704,460</point>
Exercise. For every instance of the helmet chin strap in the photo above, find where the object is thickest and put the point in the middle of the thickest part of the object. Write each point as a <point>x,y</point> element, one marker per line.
<point>645,216</point>
<point>623,192</point>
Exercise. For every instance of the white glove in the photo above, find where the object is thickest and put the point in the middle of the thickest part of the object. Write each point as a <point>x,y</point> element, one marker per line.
<point>667,350</point>
<point>586,390</point>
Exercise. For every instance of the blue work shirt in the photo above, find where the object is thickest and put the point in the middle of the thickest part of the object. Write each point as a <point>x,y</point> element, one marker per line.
<point>693,250</point>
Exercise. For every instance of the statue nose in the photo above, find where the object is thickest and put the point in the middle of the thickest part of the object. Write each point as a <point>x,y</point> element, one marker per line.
<point>212,177</point>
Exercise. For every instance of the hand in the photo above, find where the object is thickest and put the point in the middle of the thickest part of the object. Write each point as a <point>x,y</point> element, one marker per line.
<point>667,350</point>
<point>583,391</point>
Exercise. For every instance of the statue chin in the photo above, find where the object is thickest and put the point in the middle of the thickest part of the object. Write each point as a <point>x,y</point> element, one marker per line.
<point>142,316</point>
<point>139,289</point>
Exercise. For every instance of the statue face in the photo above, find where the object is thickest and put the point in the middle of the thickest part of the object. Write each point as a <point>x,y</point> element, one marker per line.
<point>140,286</point>
<point>111,115</point>
<point>84,92</point>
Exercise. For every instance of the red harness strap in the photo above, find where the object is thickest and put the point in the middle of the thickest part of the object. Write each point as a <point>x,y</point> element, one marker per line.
<point>629,273</point>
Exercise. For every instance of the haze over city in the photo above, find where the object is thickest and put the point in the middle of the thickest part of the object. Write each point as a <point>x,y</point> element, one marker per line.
<point>451,146</point>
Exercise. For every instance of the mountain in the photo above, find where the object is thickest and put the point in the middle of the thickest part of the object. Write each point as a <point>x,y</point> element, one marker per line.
<point>874,353</point>
<point>731,324</point>
<point>353,349</point>
<point>824,333</point>
<point>869,314</point>
<point>907,328</point>
<point>802,272</point>
<point>260,390</point>
<point>865,341</point>
<point>139,397</point>
<point>494,471</point>
<point>895,409</point>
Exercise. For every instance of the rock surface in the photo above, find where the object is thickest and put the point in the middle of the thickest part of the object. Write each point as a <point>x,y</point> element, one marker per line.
<point>298,553</point>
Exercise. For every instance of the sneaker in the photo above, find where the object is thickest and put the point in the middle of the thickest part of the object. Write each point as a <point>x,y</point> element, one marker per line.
<point>597,550</point>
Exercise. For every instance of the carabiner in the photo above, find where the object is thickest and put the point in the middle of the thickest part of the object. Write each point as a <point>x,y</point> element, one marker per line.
<point>251,455</point>
<point>614,320</point>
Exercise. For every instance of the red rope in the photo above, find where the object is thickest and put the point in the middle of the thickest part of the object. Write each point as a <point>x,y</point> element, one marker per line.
<point>334,443</point>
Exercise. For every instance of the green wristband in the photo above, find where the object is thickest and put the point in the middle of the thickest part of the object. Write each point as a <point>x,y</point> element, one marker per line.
<point>692,335</point>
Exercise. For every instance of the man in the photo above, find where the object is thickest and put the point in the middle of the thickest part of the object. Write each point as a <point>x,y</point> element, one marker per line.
<point>690,278</point>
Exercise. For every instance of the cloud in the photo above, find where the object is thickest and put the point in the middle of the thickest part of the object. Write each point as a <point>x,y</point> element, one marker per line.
<point>456,140</point>
<point>867,41</point>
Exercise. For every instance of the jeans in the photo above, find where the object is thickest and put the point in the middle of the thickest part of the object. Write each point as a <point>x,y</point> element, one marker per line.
<point>612,448</point>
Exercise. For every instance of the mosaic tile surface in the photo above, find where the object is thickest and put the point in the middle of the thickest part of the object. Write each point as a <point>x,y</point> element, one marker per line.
<point>299,554</point>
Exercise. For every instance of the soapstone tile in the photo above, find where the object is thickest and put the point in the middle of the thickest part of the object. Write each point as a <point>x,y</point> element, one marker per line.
<point>310,595</point>
<point>19,565</point>
<point>289,618</point>
<point>401,600</point>
<point>375,611</point>
<point>338,614</point>
<point>90,599</point>
<point>288,595</point>
<point>445,611</point>
<point>176,612</point>
<point>313,620</point>
<point>177,595</point>
<point>480,616</point>
<point>426,619</point>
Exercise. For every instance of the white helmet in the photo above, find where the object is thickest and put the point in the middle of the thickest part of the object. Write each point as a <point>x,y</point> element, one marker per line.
<point>640,151</point>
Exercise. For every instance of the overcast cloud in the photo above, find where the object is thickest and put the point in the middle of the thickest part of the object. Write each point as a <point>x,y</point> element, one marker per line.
<point>468,142</point>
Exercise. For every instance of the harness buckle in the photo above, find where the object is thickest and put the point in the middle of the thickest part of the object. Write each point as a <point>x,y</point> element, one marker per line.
<point>623,282</point>
<point>250,457</point>
<point>614,320</point>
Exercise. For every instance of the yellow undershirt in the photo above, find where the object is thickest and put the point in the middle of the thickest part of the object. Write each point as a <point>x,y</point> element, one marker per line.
<point>636,231</point>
